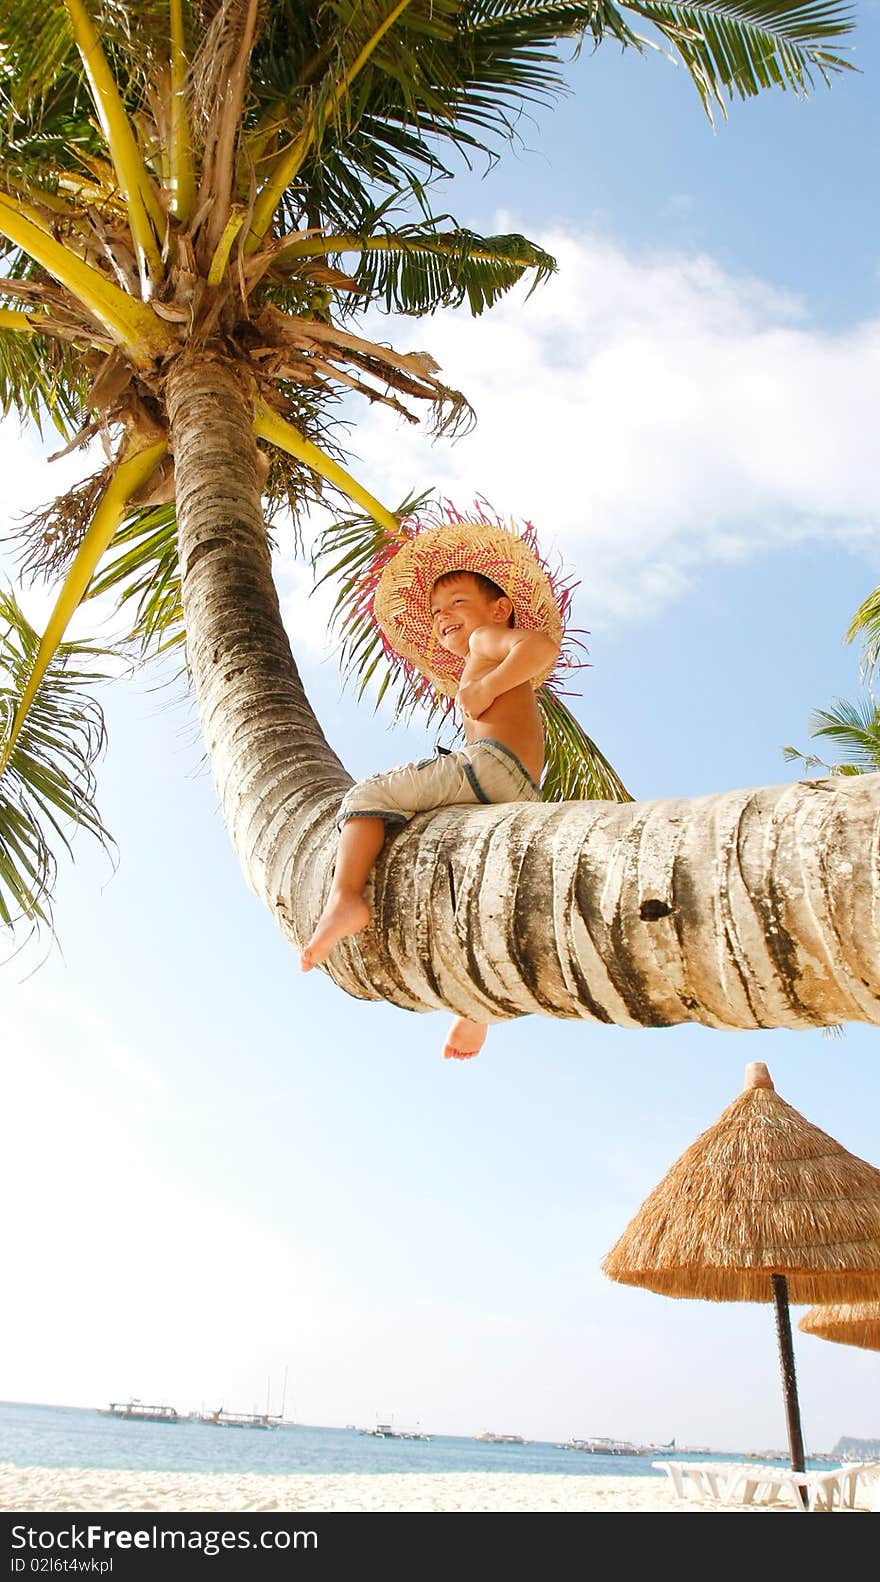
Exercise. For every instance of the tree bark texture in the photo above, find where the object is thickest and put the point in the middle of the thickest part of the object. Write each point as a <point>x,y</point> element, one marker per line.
<point>278,780</point>
<point>753,908</point>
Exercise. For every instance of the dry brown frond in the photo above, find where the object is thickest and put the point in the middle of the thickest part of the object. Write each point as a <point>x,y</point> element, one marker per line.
<point>220,76</point>
<point>233,21</point>
<point>112,381</point>
<point>62,314</point>
<point>51,534</point>
<point>115,248</point>
<point>407,373</point>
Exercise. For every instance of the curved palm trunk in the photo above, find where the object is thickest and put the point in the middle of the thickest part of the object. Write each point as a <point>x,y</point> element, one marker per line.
<point>279,781</point>
<point>748,909</point>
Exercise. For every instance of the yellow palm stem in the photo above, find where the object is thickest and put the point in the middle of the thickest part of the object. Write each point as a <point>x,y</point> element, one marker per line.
<point>183,175</point>
<point>132,472</point>
<point>288,164</point>
<point>134,326</point>
<point>12,319</point>
<point>51,201</point>
<point>224,246</point>
<point>146,216</point>
<point>269,426</point>
<point>320,246</point>
<point>258,143</point>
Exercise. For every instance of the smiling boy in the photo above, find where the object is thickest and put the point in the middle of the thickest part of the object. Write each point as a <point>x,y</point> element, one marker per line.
<point>466,638</point>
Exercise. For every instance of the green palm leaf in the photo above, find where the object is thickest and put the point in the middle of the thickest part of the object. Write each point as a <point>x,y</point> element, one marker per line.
<point>415,269</point>
<point>737,48</point>
<point>39,375</point>
<point>143,570</point>
<point>575,769</point>
<point>866,624</point>
<point>854,729</point>
<point>48,784</point>
<point>36,51</point>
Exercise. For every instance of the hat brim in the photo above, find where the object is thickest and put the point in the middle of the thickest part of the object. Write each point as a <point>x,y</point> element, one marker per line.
<point>402,604</point>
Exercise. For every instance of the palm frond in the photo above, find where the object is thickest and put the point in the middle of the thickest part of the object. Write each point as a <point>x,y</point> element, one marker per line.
<point>143,570</point>
<point>47,788</point>
<point>447,73</point>
<point>575,769</point>
<point>38,376</point>
<point>854,729</point>
<point>737,48</point>
<point>416,269</point>
<point>866,624</point>
<point>50,535</point>
<point>343,554</point>
<point>36,49</point>
<point>132,471</point>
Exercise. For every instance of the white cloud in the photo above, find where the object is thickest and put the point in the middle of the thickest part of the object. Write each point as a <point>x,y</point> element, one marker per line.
<point>651,415</point>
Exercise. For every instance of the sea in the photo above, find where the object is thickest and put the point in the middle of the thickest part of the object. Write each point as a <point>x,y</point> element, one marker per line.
<point>72,1436</point>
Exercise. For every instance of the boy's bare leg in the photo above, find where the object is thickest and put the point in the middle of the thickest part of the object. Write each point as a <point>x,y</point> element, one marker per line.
<point>346,912</point>
<point>465,1038</point>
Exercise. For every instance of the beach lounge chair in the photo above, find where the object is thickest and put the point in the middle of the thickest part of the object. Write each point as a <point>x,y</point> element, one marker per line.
<point>761,1483</point>
<point>836,1487</point>
<point>854,1485</point>
<point>689,1478</point>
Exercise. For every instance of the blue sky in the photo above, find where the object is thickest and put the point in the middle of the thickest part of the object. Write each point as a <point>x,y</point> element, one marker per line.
<point>215,1168</point>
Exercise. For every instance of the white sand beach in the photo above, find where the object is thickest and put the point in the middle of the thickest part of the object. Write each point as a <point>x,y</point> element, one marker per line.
<point>79,1489</point>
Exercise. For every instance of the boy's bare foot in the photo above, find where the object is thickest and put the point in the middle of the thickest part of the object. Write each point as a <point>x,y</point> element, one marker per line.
<point>342,916</point>
<point>466,1038</point>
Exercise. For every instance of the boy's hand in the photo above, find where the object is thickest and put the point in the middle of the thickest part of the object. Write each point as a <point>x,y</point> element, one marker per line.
<point>475,697</point>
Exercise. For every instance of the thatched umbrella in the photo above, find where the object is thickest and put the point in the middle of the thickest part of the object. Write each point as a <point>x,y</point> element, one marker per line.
<point>762,1207</point>
<point>852,1323</point>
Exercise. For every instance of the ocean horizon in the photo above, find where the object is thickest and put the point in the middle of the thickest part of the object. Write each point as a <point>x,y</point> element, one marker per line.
<point>35,1435</point>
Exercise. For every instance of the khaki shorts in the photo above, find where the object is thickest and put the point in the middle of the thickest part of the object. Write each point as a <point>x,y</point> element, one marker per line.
<point>483,772</point>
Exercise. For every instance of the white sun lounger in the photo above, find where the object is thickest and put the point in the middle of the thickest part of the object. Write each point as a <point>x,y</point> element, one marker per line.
<point>762,1483</point>
<point>840,1486</point>
<point>689,1478</point>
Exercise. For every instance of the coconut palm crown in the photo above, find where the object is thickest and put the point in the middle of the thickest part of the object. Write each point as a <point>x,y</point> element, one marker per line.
<point>198,198</point>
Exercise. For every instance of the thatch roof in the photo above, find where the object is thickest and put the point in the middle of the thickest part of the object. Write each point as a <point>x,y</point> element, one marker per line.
<point>852,1323</point>
<point>761,1192</point>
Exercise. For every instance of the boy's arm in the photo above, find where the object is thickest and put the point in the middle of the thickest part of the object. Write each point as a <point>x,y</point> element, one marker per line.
<point>519,657</point>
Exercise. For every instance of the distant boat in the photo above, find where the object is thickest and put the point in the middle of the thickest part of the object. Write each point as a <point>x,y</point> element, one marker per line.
<point>606,1447</point>
<point>267,1419</point>
<point>137,1412</point>
<point>221,1419</point>
<point>500,1439</point>
<point>388,1431</point>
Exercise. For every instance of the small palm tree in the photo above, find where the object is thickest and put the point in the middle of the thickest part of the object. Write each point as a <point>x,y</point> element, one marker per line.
<point>198,199</point>
<point>853,728</point>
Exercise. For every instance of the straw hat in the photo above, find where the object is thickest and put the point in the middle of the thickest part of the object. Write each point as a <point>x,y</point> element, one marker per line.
<point>761,1193</point>
<point>852,1323</point>
<point>405,579</point>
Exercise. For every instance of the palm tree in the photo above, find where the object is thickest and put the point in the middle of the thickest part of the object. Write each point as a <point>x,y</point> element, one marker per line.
<point>853,728</point>
<point>197,200</point>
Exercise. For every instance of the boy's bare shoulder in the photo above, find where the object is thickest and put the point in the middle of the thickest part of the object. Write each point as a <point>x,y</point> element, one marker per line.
<point>493,642</point>
<point>496,642</point>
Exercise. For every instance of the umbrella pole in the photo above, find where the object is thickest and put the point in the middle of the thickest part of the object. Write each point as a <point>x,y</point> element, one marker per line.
<point>789,1381</point>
